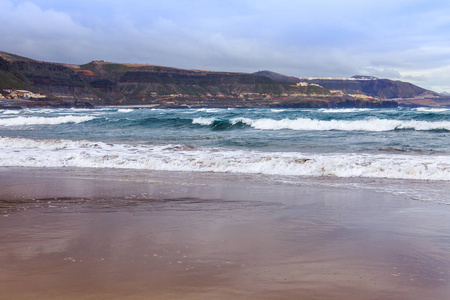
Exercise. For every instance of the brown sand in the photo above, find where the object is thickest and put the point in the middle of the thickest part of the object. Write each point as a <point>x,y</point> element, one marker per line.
<point>95,234</point>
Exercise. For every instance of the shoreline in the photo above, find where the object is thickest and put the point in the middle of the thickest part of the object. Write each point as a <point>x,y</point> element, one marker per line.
<point>89,234</point>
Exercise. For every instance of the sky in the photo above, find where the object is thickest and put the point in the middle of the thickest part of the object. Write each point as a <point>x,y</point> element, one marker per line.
<point>395,39</point>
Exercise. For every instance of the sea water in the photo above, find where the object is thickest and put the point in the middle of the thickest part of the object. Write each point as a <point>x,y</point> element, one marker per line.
<point>405,146</point>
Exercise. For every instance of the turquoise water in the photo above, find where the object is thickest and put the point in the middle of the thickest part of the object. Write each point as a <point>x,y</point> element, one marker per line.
<point>409,144</point>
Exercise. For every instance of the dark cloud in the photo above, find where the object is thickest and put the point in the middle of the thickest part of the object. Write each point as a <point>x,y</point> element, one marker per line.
<point>398,39</point>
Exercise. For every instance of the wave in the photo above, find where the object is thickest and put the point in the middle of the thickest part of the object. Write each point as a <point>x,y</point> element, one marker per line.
<point>125,110</point>
<point>11,112</point>
<point>372,124</point>
<point>431,109</point>
<point>20,152</point>
<point>203,121</point>
<point>209,110</point>
<point>304,124</point>
<point>24,121</point>
<point>343,110</point>
<point>217,124</point>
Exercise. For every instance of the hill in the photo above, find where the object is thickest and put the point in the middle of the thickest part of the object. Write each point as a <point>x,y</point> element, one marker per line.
<point>132,84</point>
<point>375,87</point>
<point>359,84</point>
<point>405,93</point>
<point>107,83</point>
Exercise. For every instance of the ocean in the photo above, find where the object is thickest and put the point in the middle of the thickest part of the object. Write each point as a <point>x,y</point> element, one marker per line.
<point>404,151</point>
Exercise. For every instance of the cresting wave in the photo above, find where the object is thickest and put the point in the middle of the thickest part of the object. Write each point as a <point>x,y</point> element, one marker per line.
<point>21,152</point>
<point>10,112</point>
<point>343,110</point>
<point>203,121</point>
<point>304,124</point>
<point>125,110</point>
<point>431,109</point>
<point>25,121</point>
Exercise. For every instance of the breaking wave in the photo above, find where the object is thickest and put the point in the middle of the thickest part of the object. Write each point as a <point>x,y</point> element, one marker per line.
<point>11,112</point>
<point>372,124</point>
<point>431,109</point>
<point>305,124</point>
<point>25,121</point>
<point>203,121</point>
<point>125,110</point>
<point>21,152</point>
<point>343,110</point>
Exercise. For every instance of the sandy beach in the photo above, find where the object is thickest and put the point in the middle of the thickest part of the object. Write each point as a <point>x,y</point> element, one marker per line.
<point>121,234</point>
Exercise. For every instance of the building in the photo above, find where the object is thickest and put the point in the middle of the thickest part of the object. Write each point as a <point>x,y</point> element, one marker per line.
<point>23,94</point>
<point>336,92</point>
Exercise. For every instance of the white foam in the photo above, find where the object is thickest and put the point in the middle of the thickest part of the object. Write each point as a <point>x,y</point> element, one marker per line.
<point>123,110</point>
<point>209,110</point>
<point>203,121</point>
<point>24,121</point>
<point>20,152</point>
<point>40,110</point>
<point>431,109</point>
<point>11,112</point>
<point>372,124</point>
<point>343,110</point>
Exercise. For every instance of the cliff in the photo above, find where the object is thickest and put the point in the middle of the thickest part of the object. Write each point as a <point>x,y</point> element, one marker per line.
<point>358,84</point>
<point>105,83</point>
<point>381,88</point>
<point>404,93</point>
<point>60,83</point>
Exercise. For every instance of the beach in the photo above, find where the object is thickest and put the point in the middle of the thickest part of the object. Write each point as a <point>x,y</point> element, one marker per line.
<point>80,233</point>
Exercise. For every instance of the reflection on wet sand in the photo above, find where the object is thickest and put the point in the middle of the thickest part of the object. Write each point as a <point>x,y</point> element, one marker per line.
<point>72,236</point>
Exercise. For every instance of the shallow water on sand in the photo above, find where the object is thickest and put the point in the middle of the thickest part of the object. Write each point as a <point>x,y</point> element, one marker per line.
<point>78,234</point>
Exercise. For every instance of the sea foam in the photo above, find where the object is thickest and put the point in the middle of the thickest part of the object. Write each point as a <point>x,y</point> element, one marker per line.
<point>203,121</point>
<point>343,110</point>
<point>11,112</point>
<point>125,110</point>
<point>25,121</point>
<point>431,109</point>
<point>372,124</point>
<point>21,152</point>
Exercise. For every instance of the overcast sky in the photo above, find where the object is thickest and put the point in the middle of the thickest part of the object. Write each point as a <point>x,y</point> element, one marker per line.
<point>398,39</point>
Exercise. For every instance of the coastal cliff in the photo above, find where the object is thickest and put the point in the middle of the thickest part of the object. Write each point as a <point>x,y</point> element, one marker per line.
<point>382,88</point>
<point>368,85</point>
<point>105,83</point>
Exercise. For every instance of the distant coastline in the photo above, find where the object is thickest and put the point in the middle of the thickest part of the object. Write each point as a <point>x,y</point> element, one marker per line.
<point>100,83</point>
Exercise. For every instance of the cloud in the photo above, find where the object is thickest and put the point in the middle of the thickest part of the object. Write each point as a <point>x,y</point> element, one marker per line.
<point>381,72</point>
<point>414,78</point>
<point>44,34</point>
<point>435,79</point>
<point>398,39</point>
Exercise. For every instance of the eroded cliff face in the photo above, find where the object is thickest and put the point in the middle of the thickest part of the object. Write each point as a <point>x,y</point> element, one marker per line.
<point>163,86</point>
<point>103,83</point>
<point>11,78</point>
<point>382,88</point>
<point>57,80</point>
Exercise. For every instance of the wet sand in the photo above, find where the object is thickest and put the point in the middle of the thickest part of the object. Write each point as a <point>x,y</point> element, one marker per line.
<point>96,234</point>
